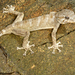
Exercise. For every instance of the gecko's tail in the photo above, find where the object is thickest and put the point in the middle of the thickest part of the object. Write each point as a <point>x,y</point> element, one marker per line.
<point>1,34</point>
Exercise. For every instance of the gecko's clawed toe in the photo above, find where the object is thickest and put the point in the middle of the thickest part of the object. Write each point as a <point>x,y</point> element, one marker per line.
<point>32,52</point>
<point>9,6</point>
<point>5,9</point>
<point>19,48</point>
<point>53,52</point>
<point>56,47</point>
<point>24,54</point>
<point>50,47</point>
<point>60,45</point>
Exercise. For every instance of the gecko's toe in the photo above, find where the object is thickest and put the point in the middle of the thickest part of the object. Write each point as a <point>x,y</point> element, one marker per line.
<point>32,52</point>
<point>5,9</point>
<point>8,5</point>
<point>59,50</point>
<point>11,6</point>
<point>19,48</point>
<point>60,45</point>
<point>50,47</point>
<point>53,52</point>
<point>24,54</point>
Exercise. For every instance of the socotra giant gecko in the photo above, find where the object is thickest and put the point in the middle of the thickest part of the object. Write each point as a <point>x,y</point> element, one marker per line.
<point>49,21</point>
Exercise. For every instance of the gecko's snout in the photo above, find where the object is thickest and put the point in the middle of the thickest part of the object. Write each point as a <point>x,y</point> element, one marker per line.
<point>72,19</point>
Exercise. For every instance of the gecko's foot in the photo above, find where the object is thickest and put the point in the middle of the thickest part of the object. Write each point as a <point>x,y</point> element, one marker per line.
<point>56,47</point>
<point>9,9</point>
<point>28,47</point>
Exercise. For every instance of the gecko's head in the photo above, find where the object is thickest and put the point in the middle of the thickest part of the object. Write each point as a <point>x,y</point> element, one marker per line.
<point>65,16</point>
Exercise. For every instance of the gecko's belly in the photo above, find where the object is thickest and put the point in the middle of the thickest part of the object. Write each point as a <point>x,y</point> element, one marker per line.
<point>39,28</point>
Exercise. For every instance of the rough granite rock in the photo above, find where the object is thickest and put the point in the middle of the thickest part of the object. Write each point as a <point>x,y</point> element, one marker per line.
<point>42,62</point>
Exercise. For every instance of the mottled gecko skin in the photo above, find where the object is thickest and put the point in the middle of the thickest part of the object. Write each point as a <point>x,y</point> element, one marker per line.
<point>49,21</point>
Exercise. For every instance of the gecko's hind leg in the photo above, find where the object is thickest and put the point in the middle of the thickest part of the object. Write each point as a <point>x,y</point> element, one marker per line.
<point>10,9</point>
<point>26,45</point>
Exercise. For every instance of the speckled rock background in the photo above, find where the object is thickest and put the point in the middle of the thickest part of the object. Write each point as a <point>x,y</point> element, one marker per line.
<point>42,62</point>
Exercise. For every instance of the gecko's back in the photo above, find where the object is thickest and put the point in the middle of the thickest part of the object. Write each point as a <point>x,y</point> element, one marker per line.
<point>42,22</point>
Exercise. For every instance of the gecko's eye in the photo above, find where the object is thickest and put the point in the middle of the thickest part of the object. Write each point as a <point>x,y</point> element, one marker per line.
<point>66,17</point>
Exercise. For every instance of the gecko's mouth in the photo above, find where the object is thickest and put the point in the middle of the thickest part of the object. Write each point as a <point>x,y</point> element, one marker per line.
<point>71,21</point>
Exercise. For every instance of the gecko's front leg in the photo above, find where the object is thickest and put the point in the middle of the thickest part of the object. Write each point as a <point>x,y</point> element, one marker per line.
<point>55,45</point>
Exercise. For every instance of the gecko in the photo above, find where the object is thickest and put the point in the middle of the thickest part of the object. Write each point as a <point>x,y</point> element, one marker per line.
<point>49,21</point>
